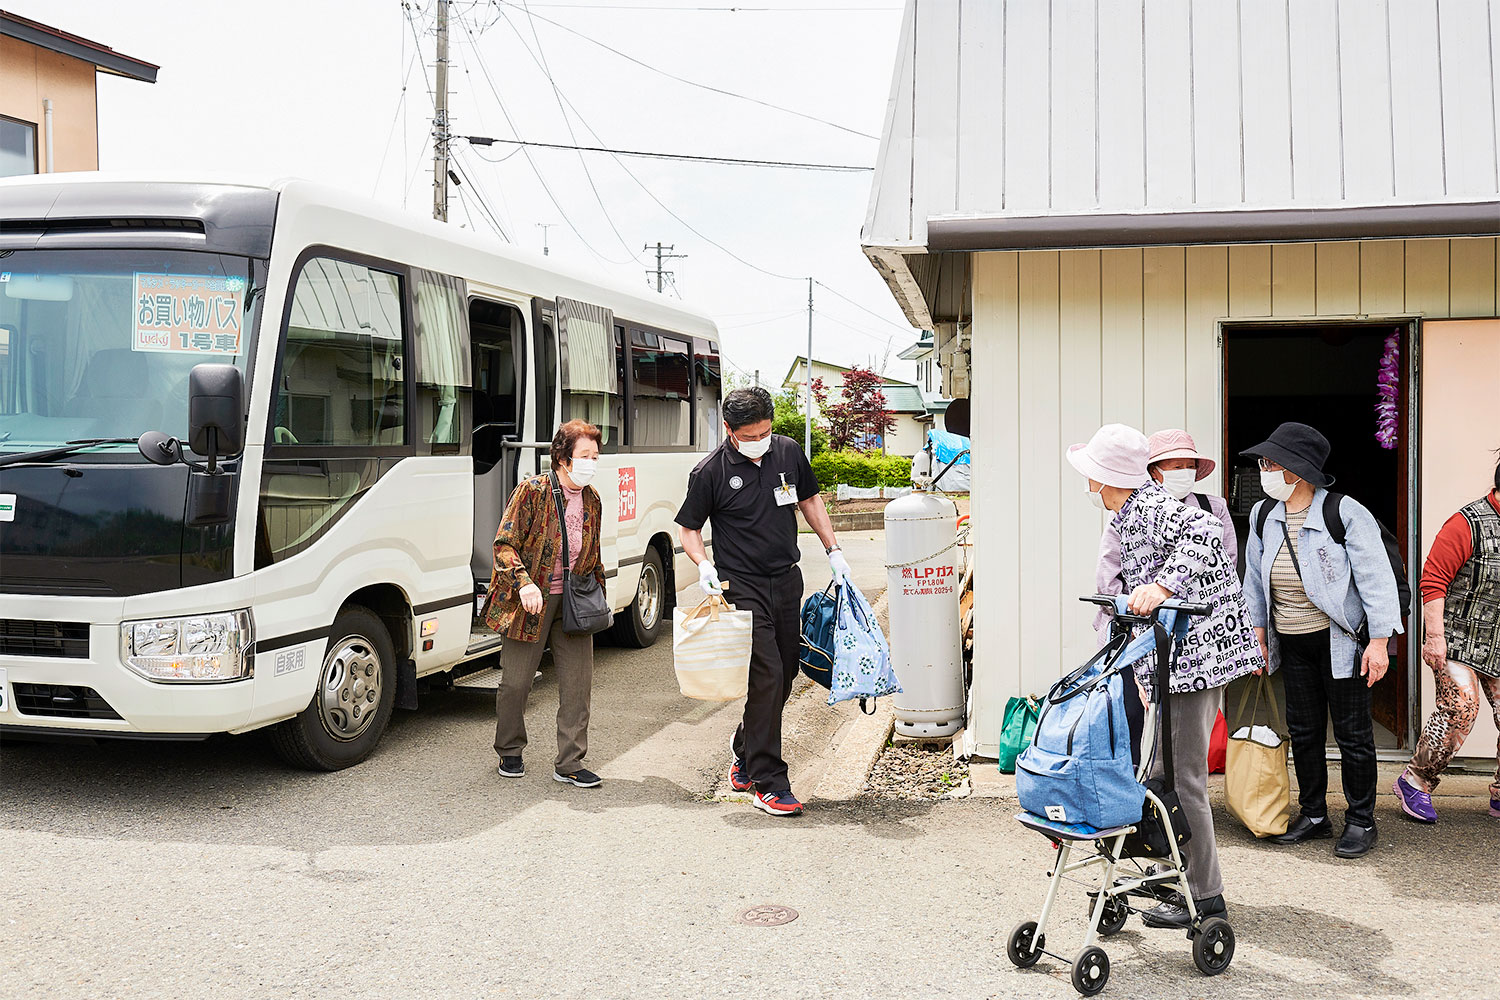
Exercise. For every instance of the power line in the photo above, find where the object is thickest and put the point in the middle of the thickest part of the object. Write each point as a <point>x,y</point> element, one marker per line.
<point>484,207</point>
<point>557,95</point>
<point>484,140</point>
<point>400,107</point>
<point>905,329</point>
<point>641,184</point>
<point>485,72</point>
<point>694,83</point>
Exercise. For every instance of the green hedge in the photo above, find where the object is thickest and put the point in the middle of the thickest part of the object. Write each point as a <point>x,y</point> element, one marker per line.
<point>853,468</point>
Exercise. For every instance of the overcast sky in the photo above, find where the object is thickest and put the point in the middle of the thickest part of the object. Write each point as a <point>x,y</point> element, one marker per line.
<point>314,88</point>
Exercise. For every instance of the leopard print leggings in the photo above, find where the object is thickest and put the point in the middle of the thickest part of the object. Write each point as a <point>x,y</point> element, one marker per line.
<point>1458,690</point>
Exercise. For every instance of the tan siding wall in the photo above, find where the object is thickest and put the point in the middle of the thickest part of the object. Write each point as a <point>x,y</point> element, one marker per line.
<point>1066,341</point>
<point>28,76</point>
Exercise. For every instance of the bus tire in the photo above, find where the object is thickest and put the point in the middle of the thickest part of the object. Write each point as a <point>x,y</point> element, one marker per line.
<point>353,700</point>
<point>639,625</point>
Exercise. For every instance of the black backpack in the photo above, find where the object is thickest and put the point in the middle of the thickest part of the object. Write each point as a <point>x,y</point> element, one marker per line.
<point>1334,521</point>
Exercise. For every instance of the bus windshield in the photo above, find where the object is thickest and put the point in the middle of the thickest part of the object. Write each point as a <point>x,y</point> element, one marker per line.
<point>99,343</point>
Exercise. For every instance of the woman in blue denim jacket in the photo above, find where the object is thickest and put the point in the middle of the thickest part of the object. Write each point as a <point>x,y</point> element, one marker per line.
<point>1311,602</point>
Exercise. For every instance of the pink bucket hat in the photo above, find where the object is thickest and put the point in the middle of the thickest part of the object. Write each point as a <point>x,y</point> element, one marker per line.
<point>1116,455</point>
<point>1176,443</point>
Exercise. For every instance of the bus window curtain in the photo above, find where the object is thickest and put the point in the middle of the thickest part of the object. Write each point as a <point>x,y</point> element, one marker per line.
<point>587,351</point>
<point>443,363</point>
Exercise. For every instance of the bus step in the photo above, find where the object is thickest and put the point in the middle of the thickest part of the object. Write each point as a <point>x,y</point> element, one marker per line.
<point>487,679</point>
<point>481,641</point>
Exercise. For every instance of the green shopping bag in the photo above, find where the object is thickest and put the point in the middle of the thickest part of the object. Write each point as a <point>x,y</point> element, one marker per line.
<point>1021,715</point>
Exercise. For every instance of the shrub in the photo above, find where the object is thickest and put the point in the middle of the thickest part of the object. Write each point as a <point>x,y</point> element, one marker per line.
<point>855,469</point>
<point>789,421</point>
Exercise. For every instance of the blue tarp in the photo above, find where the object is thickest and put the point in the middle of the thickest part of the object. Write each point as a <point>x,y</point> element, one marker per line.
<point>945,446</point>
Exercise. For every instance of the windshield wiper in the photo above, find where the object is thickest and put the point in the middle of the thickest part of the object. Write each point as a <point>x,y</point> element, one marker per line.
<point>48,454</point>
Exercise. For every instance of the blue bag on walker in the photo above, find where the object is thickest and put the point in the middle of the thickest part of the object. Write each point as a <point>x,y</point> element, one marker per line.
<point>861,657</point>
<point>1077,769</point>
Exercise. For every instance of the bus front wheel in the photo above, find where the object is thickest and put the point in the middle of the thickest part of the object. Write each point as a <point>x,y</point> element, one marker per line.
<point>639,625</point>
<point>352,704</point>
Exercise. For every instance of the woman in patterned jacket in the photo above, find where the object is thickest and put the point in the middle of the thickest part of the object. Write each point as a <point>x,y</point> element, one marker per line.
<point>1461,619</point>
<point>529,557</point>
<point>1169,549</point>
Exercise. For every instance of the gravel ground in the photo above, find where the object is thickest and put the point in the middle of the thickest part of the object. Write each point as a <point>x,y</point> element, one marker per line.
<point>920,771</point>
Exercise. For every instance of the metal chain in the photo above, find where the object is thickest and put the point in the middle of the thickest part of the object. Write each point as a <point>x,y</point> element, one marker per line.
<point>915,562</point>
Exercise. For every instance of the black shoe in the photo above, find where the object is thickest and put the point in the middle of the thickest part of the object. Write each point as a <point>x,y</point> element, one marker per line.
<point>1356,842</point>
<point>1302,829</point>
<point>1171,915</point>
<point>511,767</point>
<point>582,777</point>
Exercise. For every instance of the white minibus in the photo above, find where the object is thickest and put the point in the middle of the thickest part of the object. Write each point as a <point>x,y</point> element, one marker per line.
<point>255,441</point>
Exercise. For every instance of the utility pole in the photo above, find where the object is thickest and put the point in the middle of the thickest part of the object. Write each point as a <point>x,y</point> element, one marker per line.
<point>661,256</point>
<point>544,226</point>
<point>807,405</point>
<point>440,119</point>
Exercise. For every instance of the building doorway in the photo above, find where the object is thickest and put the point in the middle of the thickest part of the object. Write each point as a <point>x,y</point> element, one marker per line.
<point>1325,375</point>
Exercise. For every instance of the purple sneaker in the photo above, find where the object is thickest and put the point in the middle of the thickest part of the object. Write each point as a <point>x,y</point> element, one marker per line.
<point>1495,808</point>
<point>1414,802</point>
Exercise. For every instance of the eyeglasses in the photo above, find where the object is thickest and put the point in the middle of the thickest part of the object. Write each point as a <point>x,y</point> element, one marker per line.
<point>1266,465</point>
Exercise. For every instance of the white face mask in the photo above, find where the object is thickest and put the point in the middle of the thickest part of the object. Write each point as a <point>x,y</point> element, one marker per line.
<point>1096,497</point>
<point>754,449</point>
<point>1179,482</point>
<point>582,472</point>
<point>1276,486</point>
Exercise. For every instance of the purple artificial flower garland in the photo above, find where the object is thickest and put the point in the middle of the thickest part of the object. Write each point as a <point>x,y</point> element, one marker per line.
<point>1388,389</point>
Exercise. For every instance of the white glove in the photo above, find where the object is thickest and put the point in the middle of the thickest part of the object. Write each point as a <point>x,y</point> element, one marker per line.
<point>840,566</point>
<point>708,579</point>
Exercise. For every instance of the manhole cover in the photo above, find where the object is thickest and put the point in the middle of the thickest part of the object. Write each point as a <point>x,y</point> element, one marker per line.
<point>767,915</point>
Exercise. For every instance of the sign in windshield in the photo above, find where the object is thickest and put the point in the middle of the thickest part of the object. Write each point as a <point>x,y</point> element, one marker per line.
<point>189,313</point>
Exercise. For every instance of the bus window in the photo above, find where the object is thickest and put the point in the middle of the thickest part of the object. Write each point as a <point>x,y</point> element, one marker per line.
<point>591,387</point>
<point>442,363</point>
<point>547,391</point>
<point>710,391</point>
<point>663,391</point>
<point>496,331</point>
<point>341,378</point>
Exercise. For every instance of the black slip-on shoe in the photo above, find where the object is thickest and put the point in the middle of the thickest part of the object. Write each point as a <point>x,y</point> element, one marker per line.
<point>511,767</point>
<point>582,777</point>
<point>1172,915</point>
<point>1356,842</point>
<point>1302,829</point>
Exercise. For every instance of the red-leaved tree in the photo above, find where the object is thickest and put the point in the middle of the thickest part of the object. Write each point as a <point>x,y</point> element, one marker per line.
<point>859,419</point>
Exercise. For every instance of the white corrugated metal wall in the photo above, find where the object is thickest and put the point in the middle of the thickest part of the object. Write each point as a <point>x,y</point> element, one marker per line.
<point>1030,107</point>
<point>1066,341</point>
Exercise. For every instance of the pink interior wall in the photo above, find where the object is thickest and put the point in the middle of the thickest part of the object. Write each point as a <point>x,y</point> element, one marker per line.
<point>1460,372</point>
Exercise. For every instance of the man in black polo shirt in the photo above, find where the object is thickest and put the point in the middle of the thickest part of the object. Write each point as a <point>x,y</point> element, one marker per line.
<point>751,487</point>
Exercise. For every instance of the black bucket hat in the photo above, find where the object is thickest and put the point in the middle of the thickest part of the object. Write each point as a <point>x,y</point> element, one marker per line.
<point>1299,449</point>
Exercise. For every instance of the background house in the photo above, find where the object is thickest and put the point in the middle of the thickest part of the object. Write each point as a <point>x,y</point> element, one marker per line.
<point>1194,214</point>
<point>48,118</point>
<point>904,399</point>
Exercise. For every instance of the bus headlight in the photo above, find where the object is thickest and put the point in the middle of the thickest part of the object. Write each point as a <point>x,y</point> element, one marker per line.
<point>216,647</point>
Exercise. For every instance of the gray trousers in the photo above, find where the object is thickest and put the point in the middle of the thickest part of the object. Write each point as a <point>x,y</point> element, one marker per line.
<point>1193,716</point>
<point>573,656</point>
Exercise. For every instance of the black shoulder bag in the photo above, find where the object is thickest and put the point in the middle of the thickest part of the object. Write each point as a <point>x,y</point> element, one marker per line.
<point>585,609</point>
<point>1150,837</point>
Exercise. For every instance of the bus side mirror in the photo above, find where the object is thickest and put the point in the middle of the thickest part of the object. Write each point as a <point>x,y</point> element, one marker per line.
<point>216,407</point>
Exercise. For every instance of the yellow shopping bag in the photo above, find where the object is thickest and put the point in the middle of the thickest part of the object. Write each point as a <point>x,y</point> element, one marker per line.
<point>711,650</point>
<point>1257,788</point>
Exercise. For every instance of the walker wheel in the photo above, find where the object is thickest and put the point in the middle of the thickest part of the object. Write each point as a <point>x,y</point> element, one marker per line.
<point>1025,945</point>
<point>1090,970</point>
<point>1113,918</point>
<point>1213,948</point>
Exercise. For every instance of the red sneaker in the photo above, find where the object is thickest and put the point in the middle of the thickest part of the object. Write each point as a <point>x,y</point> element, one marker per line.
<point>778,803</point>
<point>737,779</point>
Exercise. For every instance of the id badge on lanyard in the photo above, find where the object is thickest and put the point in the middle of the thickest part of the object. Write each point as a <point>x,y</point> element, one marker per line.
<point>786,493</point>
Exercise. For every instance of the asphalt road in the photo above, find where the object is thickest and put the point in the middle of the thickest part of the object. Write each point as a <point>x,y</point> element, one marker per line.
<point>210,870</point>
